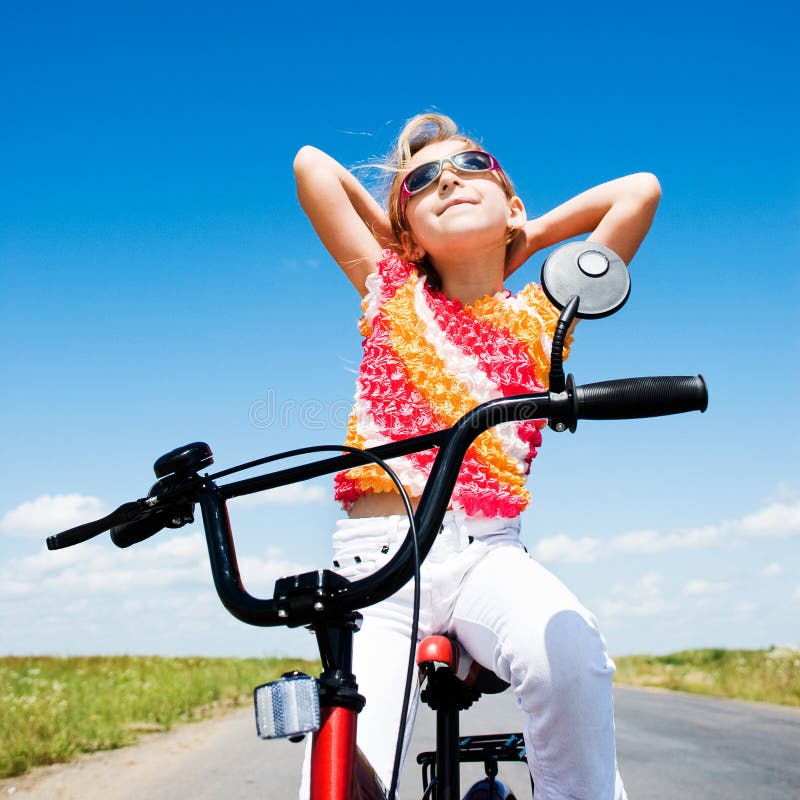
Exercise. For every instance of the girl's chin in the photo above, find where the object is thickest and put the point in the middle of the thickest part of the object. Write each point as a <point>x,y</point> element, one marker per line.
<point>462,230</point>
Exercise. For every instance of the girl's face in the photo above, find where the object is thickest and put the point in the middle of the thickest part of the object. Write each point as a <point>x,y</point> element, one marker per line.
<point>472,206</point>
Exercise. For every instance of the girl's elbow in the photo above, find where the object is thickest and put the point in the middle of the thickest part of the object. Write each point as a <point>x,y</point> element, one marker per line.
<point>305,158</point>
<point>649,187</point>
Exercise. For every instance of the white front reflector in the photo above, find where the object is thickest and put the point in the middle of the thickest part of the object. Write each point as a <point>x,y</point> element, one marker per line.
<point>287,707</point>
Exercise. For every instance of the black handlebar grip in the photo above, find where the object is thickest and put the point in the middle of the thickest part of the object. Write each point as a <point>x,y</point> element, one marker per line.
<point>82,533</point>
<point>78,534</point>
<point>632,398</point>
<point>137,531</point>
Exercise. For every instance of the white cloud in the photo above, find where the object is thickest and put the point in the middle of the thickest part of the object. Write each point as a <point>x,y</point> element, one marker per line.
<point>648,586</point>
<point>772,570</point>
<point>796,594</point>
<point>699,587</point>
<point>96,597</point>
<point>566,550</point>
<point>96,568</point>
<point>187,547</point>
<point>641,598</point>
<point>262,572</point>
<point>294,493</point>
<point>49,514</point>
<point>784,492</point>
<point>742,612</point>
<point>646,541</point>
<point>777,520</point>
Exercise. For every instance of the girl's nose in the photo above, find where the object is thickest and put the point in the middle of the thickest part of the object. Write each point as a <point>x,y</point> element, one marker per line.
<point>448,178</point>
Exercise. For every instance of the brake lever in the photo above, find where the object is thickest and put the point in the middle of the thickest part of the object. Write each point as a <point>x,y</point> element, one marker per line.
<point>176,472</point>
<point>174,514</point>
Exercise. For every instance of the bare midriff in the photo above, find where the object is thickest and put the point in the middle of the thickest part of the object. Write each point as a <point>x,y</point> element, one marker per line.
<point>380,504</point>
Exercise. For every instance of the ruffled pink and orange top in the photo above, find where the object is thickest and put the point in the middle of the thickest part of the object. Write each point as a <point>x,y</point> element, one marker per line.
<point>428,360</point>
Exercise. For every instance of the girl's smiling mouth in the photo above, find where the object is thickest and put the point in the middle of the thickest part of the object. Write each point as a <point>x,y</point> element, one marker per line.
<point>456,202</point>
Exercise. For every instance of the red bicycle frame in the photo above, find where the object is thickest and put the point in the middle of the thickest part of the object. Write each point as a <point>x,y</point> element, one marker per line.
<point>333,755</point>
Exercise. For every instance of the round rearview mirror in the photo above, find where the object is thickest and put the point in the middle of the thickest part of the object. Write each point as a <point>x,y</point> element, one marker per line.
<point>593,272</point>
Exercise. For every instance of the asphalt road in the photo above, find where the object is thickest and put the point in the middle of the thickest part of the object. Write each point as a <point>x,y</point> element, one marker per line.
<point>673,745</point>
<point>670,745</point>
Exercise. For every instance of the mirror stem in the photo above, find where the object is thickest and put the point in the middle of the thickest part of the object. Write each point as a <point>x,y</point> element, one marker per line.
<point>556,379</point>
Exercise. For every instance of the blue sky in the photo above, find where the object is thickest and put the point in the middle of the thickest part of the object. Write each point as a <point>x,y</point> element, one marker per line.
<point>161,285</point>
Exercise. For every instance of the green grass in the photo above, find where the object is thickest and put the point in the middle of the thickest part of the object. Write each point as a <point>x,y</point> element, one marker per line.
<point>771,676</point>
<point>52,709</point>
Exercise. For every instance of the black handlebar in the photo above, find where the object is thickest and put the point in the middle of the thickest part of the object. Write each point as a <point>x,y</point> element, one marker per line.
<point>309,598</point>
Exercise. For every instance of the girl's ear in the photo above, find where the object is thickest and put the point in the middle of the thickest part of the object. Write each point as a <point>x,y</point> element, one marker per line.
<point>516,213</point>
<point>411,250</point>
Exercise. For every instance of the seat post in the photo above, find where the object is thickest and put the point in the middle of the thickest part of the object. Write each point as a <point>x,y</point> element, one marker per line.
<point>439,658</point>
<point>447,751</point>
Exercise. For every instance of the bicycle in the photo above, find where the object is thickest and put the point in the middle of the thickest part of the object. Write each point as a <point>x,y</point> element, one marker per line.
<point>584,280</point>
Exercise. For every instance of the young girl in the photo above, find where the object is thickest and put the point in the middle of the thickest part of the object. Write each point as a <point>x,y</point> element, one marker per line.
<point>440,336</point>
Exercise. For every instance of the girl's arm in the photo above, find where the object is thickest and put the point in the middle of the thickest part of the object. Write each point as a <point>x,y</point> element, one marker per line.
<point>617,214</point>
<point>347,219</point>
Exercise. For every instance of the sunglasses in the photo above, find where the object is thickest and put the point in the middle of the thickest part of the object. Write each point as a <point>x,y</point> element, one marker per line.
<point>423,176</point>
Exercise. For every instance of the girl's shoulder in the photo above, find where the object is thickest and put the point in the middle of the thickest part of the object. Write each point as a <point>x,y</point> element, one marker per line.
<point>390,274</point>
<point>392,269</point>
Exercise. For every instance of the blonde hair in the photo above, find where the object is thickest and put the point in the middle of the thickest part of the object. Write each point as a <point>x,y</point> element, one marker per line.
<point>419,132</point>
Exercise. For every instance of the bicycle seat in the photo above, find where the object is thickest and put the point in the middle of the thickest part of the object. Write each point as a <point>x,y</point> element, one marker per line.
<point>435,652</point>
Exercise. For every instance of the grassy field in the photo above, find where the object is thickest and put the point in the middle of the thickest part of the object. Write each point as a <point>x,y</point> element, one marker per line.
<point>52,709</point>
<point>771,676</point>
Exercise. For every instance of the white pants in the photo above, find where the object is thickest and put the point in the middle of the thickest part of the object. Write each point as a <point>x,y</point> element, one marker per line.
<point>513,616</point>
